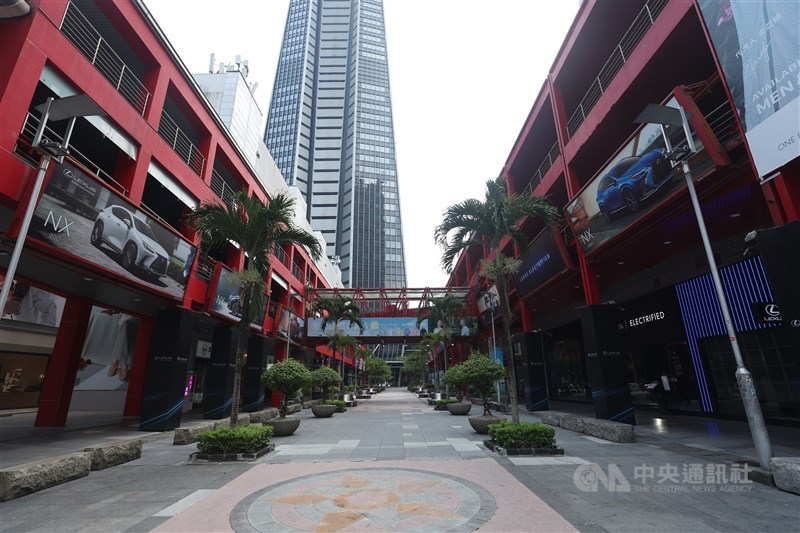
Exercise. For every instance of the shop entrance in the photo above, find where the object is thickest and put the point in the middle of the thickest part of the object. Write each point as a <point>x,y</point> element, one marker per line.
<point>661,376</point>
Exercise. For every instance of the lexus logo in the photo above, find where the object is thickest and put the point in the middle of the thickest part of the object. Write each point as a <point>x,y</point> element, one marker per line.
<point>796,323</point>
<point>772,310</point>
<point>68,173</point>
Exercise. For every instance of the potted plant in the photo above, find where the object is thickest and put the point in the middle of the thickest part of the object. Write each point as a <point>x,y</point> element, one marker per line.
<point>454,377</point>
<point>240,443</point>
<point>286,377</point>
<point>324,377</point>
<point>480,373</point>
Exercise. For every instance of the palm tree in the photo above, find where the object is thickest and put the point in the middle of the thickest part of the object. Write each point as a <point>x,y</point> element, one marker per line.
<point>360,353</point>
<point>441,309</point>
<point>258,230</point>
<point>430,343</point>
<point>495,218</point>
<point>343,341</point>
<point>337,309</point>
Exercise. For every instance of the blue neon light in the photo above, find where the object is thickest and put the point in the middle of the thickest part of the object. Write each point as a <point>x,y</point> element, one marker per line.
<point>744,283</point>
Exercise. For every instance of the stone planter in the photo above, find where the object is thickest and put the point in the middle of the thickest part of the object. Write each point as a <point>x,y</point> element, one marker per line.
<point>323,410</point>
<point>219,457</point>
<point>460,409</point>
<point>481,423</point>
<point>283,427</point>
<point>492,445</point>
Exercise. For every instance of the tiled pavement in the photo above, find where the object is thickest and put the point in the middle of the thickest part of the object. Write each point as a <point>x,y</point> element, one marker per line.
<point>394,464</point>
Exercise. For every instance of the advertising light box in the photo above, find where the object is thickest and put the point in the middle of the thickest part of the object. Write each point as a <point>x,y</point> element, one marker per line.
<point>540,263</point>
<point>226,302</point>
<point>636,180</point>
<point>374,327</point>
<point>83,217</point>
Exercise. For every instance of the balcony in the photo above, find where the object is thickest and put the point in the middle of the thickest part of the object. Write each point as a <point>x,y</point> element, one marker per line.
<point>169,131</point>
<point>81,33</point>
<point>205,268</point>
<point>537,177</point>
<point>641,24</point>
<point>220,187</point>
<point>24,150</point>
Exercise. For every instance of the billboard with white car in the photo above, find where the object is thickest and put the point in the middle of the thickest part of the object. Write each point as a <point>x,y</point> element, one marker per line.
<point>82,216</point>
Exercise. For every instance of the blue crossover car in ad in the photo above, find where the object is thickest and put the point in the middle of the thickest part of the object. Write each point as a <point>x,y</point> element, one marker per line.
<point>632,180</point>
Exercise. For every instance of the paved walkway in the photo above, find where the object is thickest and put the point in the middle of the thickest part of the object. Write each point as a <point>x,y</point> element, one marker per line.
<point>394,464</point>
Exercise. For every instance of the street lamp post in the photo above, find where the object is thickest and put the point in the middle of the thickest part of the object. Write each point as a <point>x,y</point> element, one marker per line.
<point>70,108</point>
<point>670,116</point>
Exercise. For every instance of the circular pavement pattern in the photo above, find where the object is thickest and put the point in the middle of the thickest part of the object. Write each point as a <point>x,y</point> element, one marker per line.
<point>369,499</point>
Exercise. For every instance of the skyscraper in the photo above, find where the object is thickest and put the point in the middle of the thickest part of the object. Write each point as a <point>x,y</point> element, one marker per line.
<point>330,131</point>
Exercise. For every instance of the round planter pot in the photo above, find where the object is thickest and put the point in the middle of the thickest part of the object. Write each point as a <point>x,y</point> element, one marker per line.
<point>323,410</point>
<point>481,423</point>
<point>283,427</point>
<point>460,409</point>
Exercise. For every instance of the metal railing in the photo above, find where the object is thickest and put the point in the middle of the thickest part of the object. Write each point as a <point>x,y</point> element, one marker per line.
<point>80,32</point>
<point>180,143</point>
<point>205,267</point>
<point>723,124</point>
<point>220,187</point>
<point>641,24</point>
<point>23,149</point>
<point>537,177</point>
<point>297,272</point>
<point>282,257</point>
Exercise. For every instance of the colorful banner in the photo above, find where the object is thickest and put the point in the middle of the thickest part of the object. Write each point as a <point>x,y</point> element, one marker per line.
<point>83,217</point>
<point>374,327</point>
<point>635,182</point>
<point>758,47</point>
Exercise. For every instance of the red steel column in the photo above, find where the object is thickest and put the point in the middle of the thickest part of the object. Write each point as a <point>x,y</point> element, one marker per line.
<point>63,367</point>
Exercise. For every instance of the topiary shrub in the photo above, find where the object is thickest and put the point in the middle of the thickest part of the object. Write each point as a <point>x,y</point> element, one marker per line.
<point>286,377</point>
<point>240,439</point>
<point>522,435</point>
<point>325,378</point>
<point>441,405</point>
<point>341,406</point>
<point>478,372</point>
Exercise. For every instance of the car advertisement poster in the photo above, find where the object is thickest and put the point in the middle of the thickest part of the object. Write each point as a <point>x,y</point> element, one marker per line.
<point>632,184</point>
<point>81,216</point>
<point>540,263</point>
<point>758,48</point>
<point>374,327</point>
<point>290,326</point>
<point>226,301</point>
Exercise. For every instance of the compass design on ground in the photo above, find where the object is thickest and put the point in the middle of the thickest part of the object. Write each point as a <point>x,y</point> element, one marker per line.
<point>378,499</point>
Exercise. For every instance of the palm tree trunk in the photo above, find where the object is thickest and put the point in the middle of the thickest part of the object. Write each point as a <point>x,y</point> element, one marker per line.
<point>508,354</point>
<point>446,386</point>
<point>241,346</point>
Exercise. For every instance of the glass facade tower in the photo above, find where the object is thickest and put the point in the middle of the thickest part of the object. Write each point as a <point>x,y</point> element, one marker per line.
<point>331,134</point>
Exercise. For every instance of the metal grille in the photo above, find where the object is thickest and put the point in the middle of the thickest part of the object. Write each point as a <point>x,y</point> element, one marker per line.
<point>641,24</point>
<point>180,143</point>
<point>77,29</point>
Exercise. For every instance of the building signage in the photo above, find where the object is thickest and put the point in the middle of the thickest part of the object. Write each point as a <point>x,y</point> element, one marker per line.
<point>766,313</point>
<point>649,319</point>
<point>540,263</point>
<point>759,51</point>
<point>81,216</point>
<point>632,184</point>
<point>639,320</point>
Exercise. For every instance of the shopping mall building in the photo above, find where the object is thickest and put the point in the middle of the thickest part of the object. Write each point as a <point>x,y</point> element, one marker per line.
<point>113,308</point>
<point>616,305</point>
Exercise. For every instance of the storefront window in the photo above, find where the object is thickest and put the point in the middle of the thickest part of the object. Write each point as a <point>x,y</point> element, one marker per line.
<point>567,371</point>
<point>775,369</point>
<point>23,376</point>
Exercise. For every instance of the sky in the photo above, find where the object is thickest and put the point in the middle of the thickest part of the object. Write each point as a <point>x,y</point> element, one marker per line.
<point>464,75</point>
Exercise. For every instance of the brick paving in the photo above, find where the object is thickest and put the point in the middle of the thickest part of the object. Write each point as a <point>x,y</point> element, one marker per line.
<point>394,464</point>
